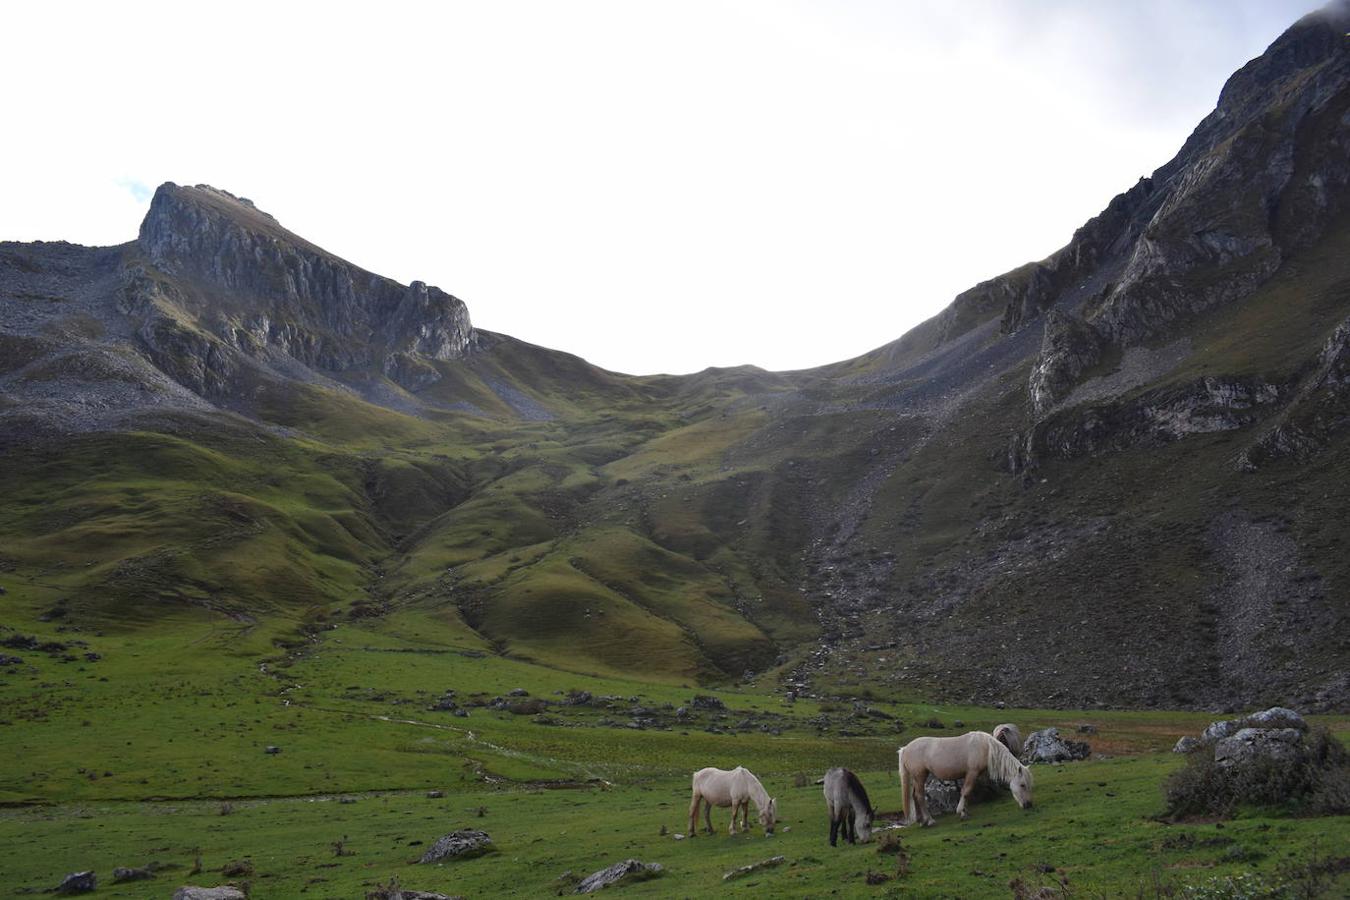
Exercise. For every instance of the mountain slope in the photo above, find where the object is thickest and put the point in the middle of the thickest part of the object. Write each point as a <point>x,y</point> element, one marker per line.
<point>1114,476</point>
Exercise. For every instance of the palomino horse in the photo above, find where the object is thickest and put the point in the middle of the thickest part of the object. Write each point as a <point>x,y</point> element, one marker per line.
<point>950,758</point>
<point>718,787</point>
<point>847,803</point>
<point>1008,735</point>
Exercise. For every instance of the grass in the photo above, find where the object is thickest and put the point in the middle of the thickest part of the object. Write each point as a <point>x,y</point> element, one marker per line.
<point>164,761</point>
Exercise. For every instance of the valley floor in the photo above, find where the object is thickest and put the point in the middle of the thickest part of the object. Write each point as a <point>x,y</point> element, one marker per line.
<point>156,751</point>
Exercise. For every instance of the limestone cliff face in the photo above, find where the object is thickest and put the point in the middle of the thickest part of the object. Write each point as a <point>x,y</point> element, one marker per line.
<point>252,285</point>
<point>1262,175</point>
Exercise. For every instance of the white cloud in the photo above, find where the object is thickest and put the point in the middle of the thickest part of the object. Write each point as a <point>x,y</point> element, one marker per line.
<point>655,186</point>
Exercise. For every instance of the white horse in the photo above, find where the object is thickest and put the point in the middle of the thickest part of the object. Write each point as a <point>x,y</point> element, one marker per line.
<point>950,758</point>
<point>736,788</point>
<point>1008,735</point>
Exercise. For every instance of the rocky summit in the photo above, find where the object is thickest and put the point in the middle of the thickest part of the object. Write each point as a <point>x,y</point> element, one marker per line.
<point>1113,477</point>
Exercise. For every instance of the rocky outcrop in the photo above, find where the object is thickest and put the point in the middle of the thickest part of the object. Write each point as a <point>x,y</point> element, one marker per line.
<point>464,844</point>
<point>245,281</point>
<point>1261,176</point>
<point>1069,347</point>
<point>1153,418</point>
<point>1320,409</point>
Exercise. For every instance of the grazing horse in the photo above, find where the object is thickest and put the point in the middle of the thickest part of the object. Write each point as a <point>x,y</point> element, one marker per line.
<point>848,806</point>
<point>1008,735</point>
<point>950,758</point>
<point>736,788</point>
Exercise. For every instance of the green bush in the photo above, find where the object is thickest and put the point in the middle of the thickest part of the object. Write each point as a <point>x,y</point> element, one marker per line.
<point>1316,782</point>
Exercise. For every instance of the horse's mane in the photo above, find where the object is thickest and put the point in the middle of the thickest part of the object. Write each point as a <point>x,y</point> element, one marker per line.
<point>1002,766</point>
<point>855,787</point>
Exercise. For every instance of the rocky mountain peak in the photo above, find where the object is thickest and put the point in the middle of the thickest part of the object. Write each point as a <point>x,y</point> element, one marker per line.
<point>260,288</point>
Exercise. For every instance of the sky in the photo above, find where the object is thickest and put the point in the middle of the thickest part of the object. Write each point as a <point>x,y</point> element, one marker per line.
<point>654,186</point>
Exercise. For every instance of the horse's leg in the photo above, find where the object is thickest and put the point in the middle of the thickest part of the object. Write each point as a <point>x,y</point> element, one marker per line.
<point>834,829</point>
<point>920,783</point>
<point>850,827</point>
<point>906,801</point>
<point>966,787</point>
<point>707,816</point>
<point>693,815</point>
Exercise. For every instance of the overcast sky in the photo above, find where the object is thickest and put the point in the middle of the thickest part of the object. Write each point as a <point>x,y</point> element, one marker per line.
<point>653,186</point>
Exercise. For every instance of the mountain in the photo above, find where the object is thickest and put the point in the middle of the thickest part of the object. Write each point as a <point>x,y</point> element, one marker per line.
<point>1115,476</point>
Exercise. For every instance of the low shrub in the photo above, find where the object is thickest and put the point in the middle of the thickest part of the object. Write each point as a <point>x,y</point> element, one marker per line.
<point>1315,782</point>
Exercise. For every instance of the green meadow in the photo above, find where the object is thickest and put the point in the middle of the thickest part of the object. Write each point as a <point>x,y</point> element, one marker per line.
<point>156,753</point>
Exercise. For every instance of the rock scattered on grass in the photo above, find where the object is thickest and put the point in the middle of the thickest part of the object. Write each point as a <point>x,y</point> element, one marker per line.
<point>129,873</point>
<point>463,844</point>
<point>77,883</point>
<point>626,872</point>
<point>754,867</point>
<point>1046,746</point>
<point>222,892</point>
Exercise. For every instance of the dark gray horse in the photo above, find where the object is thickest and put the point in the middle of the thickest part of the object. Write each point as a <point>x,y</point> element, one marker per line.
<point>848,806</point>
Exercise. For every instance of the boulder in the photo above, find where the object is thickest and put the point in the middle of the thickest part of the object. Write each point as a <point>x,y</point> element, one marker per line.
<point>223,892</point>
<point>707,701</point>
<point>1250,744</point>
<point>77,883</point>
<point>463,844</point>
<point>1046,746</point>
<point>627,871</point>
<point>1275,717</point>
<point>1188,743</point>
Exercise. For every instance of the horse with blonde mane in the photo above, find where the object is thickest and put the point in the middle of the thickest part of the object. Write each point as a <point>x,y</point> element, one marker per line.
<point>950,758</point>
<point>1009,736</point>
<point>734,788</point>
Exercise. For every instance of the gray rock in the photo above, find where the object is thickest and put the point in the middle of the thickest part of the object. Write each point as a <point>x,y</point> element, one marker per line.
<point>1275,717</point>
<point>707,701</point>
<point>943,796</point>
<point>463,844</point>
<point>223,892</point>
<point>126,873</point>
<point>1250,744</point>
<point>1046,746</point>
<point>627,871</point>
<point>1187,744</point>
<point>77,883</point>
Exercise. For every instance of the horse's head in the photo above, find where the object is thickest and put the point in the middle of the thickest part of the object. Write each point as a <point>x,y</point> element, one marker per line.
<point>862,826</point>
<point>768,816</point>
<point>1021,787</point>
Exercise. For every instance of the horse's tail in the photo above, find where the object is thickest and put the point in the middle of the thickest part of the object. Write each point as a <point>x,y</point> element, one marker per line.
<point>906,801</point>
